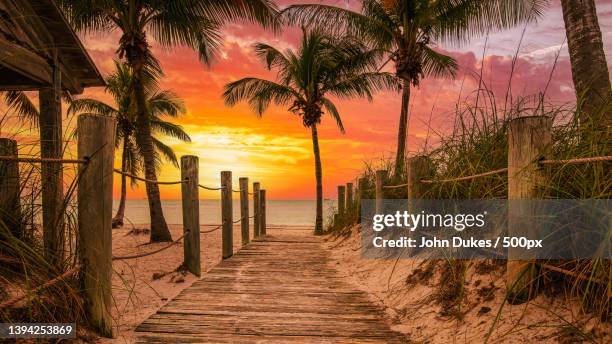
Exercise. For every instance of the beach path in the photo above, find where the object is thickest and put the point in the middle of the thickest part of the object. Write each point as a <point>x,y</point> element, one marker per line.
<point>279,289</point>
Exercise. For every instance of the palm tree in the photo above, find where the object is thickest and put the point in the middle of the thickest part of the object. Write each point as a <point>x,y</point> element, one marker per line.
<point>323,66</point>
<point>192,23</point>
<point>159,104</point>
<point>409,30</point>
<point>589,67</point>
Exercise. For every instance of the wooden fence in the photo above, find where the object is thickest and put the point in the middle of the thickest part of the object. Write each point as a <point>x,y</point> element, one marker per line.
<point>96,137</point>
<point>529,142</point>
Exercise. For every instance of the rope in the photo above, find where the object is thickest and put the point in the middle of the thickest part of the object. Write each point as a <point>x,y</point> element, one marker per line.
<point>573,274</point>
<point>44,160</point>
<point>576,160</point>
<point>148,180</point>
<point>395,186</point>
<point>43,286</point>
<point>430,181</point>
<point>152,252</point>
<point>211,230</point>
<point>211,188</point>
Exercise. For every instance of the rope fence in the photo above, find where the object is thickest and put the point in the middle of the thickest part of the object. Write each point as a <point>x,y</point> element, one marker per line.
<point>211,188</point>
<point>459,179</point>
<point>93,186</point>
<point>148,180</point>
<point>44,160</point>
<point>529,140</point>
<point>576,160</point>
<point>140,255</point>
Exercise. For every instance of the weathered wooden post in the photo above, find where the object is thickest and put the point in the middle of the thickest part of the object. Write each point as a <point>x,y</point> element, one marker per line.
<point>417,168</point>
<point>244,209</point>
<point>10,207</point>
<point>227,225</point>
<point>256,219</point>
<point>341,200</point>
<point>191,213</point>
<point>96,142</point>
<point>361,189</point>
<point>529,139</point>
<point>349,196</point>
<point>51,146</point>
<point>381,179</point>
<point>262,210</point>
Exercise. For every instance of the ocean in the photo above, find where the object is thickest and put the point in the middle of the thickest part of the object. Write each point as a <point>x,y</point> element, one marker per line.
<point>279,212</point>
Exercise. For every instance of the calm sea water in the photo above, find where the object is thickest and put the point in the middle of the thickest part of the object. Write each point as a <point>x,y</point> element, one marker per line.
<point>279,212</point>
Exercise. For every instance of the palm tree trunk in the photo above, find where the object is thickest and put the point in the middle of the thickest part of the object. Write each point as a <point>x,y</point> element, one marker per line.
<point>118,219</point>
<point>159,228</point>
<point>136,55</point>
<point>403,130</point>
<point>319,177</point>
<point>589,68</point>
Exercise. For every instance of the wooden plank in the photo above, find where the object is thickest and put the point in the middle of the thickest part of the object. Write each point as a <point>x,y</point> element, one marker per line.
<point>279,290</point>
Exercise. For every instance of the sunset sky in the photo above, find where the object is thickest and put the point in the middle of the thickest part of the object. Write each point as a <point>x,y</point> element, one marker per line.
<point>277,150</point>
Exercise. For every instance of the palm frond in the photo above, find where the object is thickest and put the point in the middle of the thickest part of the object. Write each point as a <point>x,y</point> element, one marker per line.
<point>92,106</point>
<point>22,105</point>
<point>169,129</point>
<point>166,103</point>
<point>459,20</point>
<point>165,151</point>
<point>339,21</point>
<point>330,107</point>
<point>364,85</point>
<point>438,65</point>
<point>259,93</point>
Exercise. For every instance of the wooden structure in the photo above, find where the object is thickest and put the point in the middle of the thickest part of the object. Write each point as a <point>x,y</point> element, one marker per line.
<point>281,289</point>
<point>40,52</point>
<point>95,202</point>
<point>38,48</point>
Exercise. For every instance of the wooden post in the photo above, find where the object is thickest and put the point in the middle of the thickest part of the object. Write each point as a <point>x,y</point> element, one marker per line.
<point>262,210</point>
<point>10,206</point>
<point>256,219</point>
<point>96,142</point>
<point>361,187</point>
<point>244,209</point>
<point>529,139</point>
<point>227,235</point>
<point>417,168</point>
<point>341,200</point>
<point>191,213</point>
<point>51,146</point>
<point>381,179</point>
<point>349,196</point>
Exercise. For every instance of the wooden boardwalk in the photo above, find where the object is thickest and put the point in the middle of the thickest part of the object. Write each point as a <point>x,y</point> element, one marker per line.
<point>278,290</point>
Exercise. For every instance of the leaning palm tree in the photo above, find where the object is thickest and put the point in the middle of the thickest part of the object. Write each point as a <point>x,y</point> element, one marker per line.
<point>193,23</point>
<point>159,104</point>
<point>409,30</point>
<point>323,66</point>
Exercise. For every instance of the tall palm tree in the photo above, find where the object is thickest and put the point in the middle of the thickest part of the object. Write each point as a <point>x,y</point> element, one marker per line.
<point>323,66</point>
<point>159,104</point>
<point>409,31</point>
<point>588,59</point>
<point>193,23</point>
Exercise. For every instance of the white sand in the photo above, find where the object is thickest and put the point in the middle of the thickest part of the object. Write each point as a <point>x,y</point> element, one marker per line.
<point>415,311</point>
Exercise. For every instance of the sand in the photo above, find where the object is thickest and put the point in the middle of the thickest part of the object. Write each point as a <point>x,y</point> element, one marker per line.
<point>136,293</point>
<point>411,299</point>
<point>413,306</point>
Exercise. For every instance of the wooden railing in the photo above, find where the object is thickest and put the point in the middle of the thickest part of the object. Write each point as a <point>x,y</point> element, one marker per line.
<point>529,142</point>
<point>96,137</point>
